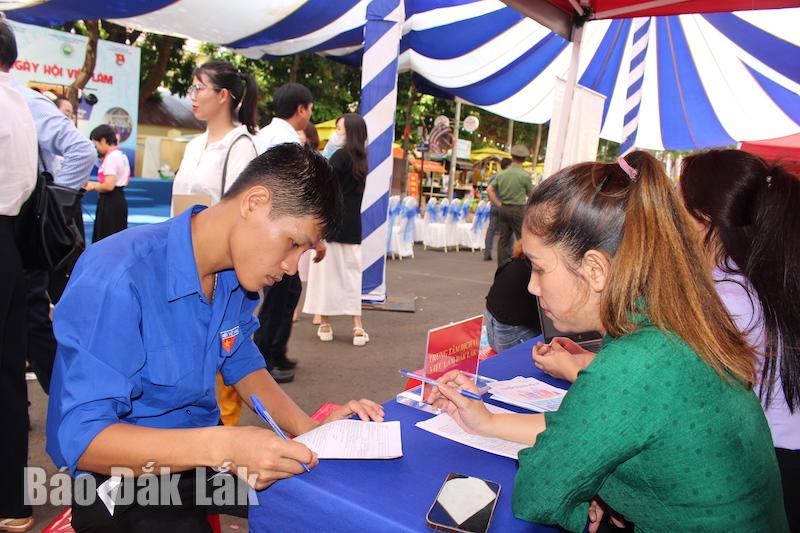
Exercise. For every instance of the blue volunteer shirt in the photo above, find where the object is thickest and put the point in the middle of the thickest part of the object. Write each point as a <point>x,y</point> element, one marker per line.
<point>139,343</point>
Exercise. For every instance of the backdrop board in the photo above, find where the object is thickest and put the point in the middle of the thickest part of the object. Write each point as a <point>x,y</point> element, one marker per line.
<point>51,59</point>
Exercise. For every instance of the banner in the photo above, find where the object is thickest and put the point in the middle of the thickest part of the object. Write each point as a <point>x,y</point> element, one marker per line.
<point>49,60</point>
<point>583,130</point>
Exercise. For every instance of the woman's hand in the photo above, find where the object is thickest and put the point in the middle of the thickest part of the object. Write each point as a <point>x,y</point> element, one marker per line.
<point>90,185</point>
<point>365,409</point>
<point>265,456</point>
<point>471,415</point>
<point>562,358</point>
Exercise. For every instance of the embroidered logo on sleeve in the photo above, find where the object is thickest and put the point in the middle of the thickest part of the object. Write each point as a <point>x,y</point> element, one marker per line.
<point>229,337</point>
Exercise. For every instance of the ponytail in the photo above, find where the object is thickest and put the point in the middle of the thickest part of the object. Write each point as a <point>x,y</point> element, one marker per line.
<point>753,218</point>
<point>630,212</point>
<point>248,109</point>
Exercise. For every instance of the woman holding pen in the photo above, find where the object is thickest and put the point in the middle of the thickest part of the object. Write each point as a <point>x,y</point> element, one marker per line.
<point>681,441</point>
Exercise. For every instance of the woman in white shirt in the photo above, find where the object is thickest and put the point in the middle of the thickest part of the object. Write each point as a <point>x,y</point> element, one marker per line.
<point>222,97</point>
<point>226,100</point>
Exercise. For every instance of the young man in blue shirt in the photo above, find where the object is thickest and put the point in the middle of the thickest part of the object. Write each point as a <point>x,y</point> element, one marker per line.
<point>153,313</point>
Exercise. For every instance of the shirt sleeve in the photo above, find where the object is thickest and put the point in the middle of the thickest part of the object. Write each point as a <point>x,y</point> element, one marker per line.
<point>97,369</point>
<point>242,152</point>
<point>247,358</point>
<point>593,432</point>
<point>58,136</point>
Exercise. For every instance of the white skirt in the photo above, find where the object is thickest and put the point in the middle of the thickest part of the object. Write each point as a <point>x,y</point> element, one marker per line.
<point>334,284</point>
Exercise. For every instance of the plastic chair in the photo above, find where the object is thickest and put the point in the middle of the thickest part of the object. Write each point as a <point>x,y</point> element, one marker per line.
<point>454,214</point>
<point>394,211</point>
<point>434,234</point>
<point>473,234</point>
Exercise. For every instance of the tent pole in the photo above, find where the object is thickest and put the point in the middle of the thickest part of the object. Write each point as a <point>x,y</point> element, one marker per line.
<point>510,134</point>
<point>566,105</point>
<point>453,155</point>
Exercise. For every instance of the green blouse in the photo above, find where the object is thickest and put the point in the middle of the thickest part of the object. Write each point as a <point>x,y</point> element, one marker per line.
<point>661,438</point>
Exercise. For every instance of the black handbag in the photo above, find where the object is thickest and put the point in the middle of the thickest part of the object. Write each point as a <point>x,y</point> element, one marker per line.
<point>49,235</point>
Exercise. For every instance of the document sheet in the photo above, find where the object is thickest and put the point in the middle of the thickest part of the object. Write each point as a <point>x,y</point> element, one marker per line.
<point>354,439</point>
<point>444,426</point>
<point>528,393</point>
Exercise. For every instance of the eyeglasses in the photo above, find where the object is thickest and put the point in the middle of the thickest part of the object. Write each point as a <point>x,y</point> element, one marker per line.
<point>196,88</point>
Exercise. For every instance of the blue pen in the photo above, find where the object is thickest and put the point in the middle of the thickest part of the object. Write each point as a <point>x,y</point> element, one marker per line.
<point>262,412</point>
<point>430,381</point>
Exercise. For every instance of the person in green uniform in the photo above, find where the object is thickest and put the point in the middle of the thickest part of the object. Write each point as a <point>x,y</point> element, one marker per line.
<point>508,192</point>
<point>662,428</point>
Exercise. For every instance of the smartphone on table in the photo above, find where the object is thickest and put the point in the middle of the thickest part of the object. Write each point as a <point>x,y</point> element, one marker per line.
<point>464,504</point>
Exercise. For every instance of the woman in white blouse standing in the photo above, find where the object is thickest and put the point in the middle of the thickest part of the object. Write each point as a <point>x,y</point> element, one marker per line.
<point>226,100</point>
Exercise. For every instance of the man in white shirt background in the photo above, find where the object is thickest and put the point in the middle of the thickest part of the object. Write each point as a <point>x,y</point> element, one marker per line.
<point>18,156</point>
<point>292,104</point>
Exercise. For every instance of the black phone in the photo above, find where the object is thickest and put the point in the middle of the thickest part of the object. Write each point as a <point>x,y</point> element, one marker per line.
<point>465,504</point>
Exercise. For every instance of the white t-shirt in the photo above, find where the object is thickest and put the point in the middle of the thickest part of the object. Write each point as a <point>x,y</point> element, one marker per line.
<point>18,152</point>
<point>201,167</point>
<point>278,132</point>
<point>115,163</point>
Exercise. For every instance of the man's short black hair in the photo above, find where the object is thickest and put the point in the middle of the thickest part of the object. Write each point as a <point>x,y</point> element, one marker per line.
<point>301,182</point>
<point>8,45</point>
<point>104,131</point>
<point>287,97</point>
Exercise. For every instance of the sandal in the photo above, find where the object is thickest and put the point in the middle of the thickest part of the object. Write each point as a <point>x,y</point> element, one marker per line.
<point>16,524</point>
<point>360,337</point>
<point>325,332</point>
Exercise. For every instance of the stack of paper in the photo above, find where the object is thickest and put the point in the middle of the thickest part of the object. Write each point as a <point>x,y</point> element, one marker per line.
<point>354,439</point>
<point>444,426</point>
<point>528,393</point>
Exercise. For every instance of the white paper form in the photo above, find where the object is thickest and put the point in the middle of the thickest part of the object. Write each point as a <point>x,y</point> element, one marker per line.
<point>355,439</point>
<point>444,426</point>
<point>528,393</point>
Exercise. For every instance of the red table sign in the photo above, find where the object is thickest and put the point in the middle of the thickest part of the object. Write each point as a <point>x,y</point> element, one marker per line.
<point>452,347</point>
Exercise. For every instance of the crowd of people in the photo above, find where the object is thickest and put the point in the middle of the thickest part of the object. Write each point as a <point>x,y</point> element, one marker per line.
<point>687,418</point>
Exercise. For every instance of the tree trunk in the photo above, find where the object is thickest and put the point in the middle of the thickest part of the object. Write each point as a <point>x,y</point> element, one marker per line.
<point>412,96</point>
<point>153,80</point>
<point>537,146</point>
<point>295,68</point>
<point>89,62</point>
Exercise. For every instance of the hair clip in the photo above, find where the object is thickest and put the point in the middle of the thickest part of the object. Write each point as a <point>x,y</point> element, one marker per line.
<point>632,173</point>
<point>769,181</point>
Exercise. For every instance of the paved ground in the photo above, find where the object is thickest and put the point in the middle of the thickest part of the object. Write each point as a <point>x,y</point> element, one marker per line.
<point>448,287</point>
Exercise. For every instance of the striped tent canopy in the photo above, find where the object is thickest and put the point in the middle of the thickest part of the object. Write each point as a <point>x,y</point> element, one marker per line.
<point>710,79</point>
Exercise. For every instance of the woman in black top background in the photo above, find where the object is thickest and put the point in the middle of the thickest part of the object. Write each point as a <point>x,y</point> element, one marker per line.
<point>512,314</point>
<point>334,284</point>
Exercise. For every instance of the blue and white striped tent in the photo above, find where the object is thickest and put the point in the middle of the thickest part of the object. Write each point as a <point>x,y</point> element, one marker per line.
<point>703,80</point>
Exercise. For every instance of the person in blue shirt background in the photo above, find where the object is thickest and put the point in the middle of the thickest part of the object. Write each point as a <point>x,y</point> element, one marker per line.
<point>59,141</point>
<point>150,316</point>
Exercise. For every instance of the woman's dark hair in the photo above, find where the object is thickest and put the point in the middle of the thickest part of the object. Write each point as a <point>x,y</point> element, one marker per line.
<point>301,183</point>
<point>8,45</point>
<point>104,131</point>
<point>631,213</point>
<point>356,144</point>
<point>312,136</point>
<point>752,209</point>
<point>241,86</point>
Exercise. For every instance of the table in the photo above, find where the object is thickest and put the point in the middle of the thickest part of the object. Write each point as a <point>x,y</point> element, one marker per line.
<point>395,495</point>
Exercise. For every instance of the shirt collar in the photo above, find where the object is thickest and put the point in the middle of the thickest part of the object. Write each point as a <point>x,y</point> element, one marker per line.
<point>283,124</point>
<point>182,276</point>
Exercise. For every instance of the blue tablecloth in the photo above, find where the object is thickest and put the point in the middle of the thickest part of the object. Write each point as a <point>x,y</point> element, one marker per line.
<point>395,495</point>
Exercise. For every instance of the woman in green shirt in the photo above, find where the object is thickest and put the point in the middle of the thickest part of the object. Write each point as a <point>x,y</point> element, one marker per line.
<point>662,427</point>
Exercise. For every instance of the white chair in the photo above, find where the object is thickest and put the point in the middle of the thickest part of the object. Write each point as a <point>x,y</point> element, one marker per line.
<point>404,229</point>
<point>473,234</point>
<point>434,233</point>
<point>454,214</point>
<point>394,210</point>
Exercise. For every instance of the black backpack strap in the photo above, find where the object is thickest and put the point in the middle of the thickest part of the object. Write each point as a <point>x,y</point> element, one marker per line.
<point>228,155</point>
